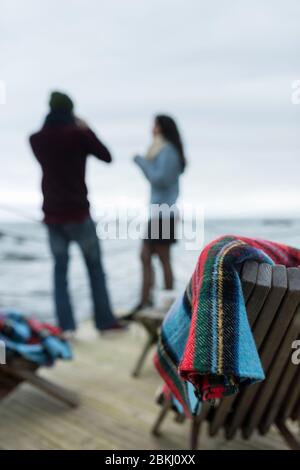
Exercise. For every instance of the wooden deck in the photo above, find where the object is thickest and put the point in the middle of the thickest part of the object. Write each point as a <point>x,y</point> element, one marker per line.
<point>116,411</point>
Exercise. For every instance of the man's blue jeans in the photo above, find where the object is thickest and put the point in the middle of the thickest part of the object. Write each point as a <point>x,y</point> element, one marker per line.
<point>84,233</point>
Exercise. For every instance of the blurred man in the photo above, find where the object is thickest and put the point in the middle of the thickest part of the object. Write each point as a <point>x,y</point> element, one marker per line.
<point>61,148</point>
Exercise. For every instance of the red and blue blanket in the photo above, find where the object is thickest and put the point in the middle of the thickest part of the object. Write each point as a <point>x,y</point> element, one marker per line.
<point>37,342</point>
<point>206,349</point>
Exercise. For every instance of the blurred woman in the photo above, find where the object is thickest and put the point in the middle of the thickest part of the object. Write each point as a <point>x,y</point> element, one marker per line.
<point>162,166</point>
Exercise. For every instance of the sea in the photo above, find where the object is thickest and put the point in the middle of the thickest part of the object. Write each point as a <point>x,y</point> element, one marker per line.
<point>26,264</point>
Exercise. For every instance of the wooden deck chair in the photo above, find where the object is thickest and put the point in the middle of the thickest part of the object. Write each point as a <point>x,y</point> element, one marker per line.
<point>151,321</point>
<point>21,370</point>
<point>272,296</point>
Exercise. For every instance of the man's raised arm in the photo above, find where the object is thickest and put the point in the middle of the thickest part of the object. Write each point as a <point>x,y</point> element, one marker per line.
<point>93,145</point>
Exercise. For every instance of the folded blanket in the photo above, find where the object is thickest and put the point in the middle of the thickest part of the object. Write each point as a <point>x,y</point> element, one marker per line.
<point>206,349</point>
<point>37,342</point>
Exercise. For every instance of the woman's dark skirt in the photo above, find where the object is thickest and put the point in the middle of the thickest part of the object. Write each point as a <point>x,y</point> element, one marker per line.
<point>161,230</point>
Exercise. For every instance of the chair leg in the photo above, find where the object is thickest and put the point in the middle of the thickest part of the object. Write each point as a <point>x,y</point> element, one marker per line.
<point>60,393</point>
<point>140,362</point>
<point>194,432</point>
<point>289,438</point>
<point>161,417</point>
<point>8,384</point>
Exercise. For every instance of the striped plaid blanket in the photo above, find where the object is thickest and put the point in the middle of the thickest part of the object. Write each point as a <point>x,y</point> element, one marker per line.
<point>206,349</point>
<point>37,342</point>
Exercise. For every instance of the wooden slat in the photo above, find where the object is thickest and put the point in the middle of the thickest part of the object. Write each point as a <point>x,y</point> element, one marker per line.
<point>248,278</point>
<point>268,388</point>
<point>273,283</point>
<point>260,292</point>
<point>288,406</point>
<point>278,290</point>
<point>288,436</point>
<point>280,396</point>
<point>296,411</point>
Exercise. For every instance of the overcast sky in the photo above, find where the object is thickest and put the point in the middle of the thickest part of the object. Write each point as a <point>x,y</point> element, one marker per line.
<point>223,69</point>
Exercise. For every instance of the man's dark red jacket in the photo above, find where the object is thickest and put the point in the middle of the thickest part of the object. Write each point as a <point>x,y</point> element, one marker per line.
<point>62,151</point>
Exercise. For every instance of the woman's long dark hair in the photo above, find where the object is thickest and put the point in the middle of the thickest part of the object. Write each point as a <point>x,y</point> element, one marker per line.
<point>170,132</point>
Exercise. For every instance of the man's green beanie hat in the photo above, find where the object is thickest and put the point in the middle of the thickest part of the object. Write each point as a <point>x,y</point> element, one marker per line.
<point>60,102</point>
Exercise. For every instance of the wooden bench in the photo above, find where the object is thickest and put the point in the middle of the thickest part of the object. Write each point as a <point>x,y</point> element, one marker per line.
<point>272,296</point>
<point>21,370</point>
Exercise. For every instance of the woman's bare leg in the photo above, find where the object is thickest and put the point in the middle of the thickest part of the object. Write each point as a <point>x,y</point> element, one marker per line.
<point>148,274</point>
<point>163,252</point>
